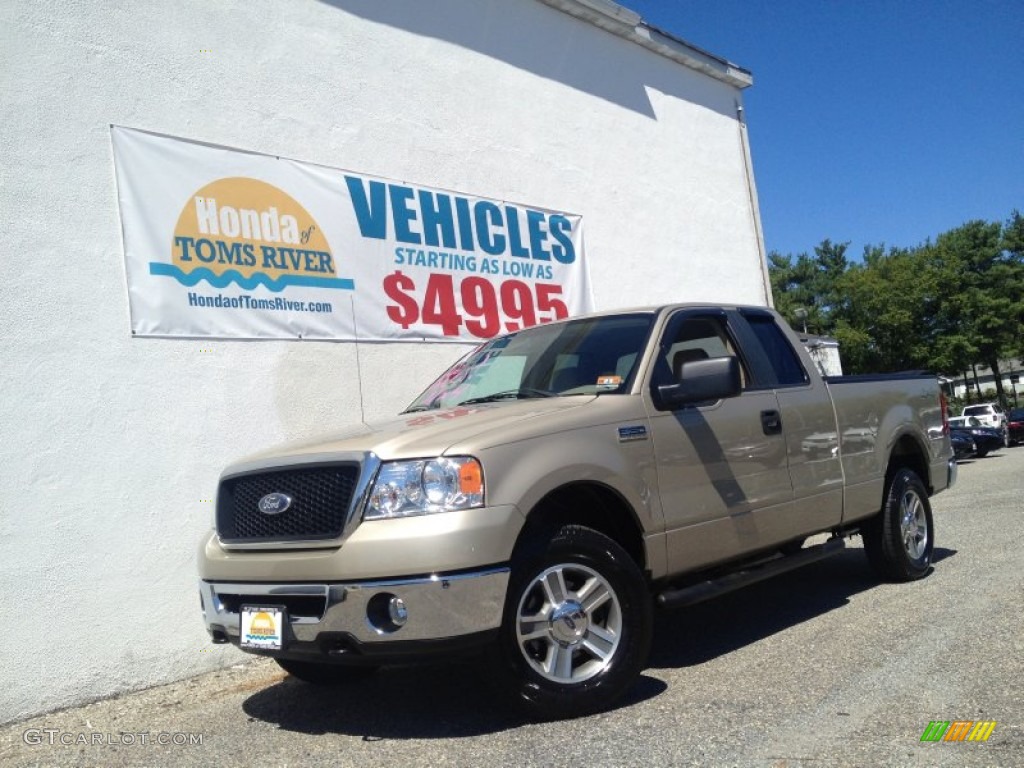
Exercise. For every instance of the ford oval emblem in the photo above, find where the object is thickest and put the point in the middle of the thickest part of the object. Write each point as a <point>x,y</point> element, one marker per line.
<point>275,503</point>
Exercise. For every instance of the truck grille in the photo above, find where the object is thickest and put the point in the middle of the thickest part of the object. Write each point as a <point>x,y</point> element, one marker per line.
<point>320,501</point>
<point>298,606</point>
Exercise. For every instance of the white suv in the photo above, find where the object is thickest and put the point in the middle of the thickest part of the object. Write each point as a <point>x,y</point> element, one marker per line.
<point>990,415</point>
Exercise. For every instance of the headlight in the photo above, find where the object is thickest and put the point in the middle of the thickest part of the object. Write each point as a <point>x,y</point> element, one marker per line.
<point>425,486</point>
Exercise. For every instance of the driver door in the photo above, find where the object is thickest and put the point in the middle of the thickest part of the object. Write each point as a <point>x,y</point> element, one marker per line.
<point>721,466</point>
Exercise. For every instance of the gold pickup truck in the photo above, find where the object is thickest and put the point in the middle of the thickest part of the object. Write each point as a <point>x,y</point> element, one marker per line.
<point>546,492</point>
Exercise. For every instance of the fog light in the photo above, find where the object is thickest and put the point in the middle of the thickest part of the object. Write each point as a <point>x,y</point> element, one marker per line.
<point>397,611</point>
<point>386,612</point>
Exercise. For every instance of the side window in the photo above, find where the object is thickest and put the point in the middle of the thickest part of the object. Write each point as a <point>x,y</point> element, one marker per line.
<point>784,361</point>
<point>696,338</point>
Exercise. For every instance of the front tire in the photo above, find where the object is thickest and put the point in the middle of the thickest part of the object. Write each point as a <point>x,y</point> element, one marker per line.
<point>900,539</point>
<point>577,625</point>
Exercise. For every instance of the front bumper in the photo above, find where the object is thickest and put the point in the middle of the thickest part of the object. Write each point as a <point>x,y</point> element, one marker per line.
<point>338,621</point>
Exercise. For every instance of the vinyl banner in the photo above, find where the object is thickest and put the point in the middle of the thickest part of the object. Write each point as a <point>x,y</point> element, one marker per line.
<point>225,243</point>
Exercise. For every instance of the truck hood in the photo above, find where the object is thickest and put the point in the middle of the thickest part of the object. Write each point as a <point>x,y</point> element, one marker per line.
<point>417,435</point>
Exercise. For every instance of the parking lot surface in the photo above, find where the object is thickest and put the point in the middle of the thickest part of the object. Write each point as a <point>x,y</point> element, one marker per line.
<point>821,667</point>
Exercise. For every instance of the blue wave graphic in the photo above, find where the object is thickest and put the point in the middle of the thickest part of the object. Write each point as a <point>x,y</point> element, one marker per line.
<point>190,279</point>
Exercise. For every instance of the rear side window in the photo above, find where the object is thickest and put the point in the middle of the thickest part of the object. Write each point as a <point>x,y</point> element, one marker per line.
<point>784,361</point>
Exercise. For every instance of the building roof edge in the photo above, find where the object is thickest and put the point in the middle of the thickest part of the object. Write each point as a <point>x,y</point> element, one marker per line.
<point>628,24</point>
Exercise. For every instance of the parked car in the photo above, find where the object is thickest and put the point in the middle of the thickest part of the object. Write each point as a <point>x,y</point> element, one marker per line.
<point>987,439</point>
<point>963,444</point>
<point>541,496</point>
<point>989,415</point>
<point>1015,425</point>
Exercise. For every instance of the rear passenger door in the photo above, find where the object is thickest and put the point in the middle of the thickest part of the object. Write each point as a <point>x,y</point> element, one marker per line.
<point>808,420</point>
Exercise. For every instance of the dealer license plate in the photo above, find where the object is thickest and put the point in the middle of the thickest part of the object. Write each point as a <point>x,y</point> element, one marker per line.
<point>263,626</point>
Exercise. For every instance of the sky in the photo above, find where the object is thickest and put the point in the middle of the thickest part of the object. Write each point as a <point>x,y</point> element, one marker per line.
<point>871,121</point>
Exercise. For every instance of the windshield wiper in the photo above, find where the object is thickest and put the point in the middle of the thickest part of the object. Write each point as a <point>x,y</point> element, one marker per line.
<point>523,393</point>
<point>418,408</point>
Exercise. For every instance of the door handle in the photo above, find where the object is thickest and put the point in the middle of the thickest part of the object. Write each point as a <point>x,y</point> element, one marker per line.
<point>771,422</point>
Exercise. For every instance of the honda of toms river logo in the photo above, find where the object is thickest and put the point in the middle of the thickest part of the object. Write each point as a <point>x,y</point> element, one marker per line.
<point>262,626</point>
<point>246,231</point>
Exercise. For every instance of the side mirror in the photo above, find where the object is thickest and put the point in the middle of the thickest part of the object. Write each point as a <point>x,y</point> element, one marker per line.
<point>703,381</point>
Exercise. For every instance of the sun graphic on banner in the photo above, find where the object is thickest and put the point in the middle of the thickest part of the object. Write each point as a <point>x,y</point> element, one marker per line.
<point>246,231</point>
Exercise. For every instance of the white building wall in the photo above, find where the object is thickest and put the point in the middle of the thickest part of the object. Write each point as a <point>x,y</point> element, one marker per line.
<point>112,445</point>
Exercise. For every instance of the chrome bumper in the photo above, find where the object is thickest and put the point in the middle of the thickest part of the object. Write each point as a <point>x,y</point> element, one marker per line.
<point>438,607</point>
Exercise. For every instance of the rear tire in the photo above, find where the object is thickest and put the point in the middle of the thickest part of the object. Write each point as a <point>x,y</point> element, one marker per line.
<point>577,625</point>
<point>899,540</point>
<point>321,673</point>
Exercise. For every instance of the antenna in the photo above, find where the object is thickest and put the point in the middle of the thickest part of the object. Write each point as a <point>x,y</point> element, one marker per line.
<point>359,369</point>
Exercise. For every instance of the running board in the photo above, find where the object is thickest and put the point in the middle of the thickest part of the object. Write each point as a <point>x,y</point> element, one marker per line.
<point>704,590</point>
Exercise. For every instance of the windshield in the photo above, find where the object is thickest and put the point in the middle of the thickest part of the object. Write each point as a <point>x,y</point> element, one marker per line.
<point>581,357</point>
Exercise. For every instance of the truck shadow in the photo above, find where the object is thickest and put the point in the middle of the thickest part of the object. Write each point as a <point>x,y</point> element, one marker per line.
<point>459,701</point>
<point>420,702</point>
<point>697,634</point>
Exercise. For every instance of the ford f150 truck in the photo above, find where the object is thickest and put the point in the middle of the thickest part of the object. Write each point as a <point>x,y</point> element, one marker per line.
<point>546,492</point>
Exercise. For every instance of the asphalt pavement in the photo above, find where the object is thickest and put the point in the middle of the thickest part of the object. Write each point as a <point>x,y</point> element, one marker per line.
<point>820,667</point>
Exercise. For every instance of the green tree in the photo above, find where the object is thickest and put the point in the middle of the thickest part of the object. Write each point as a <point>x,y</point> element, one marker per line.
<point>944,306</point>
<point>1013,247</point>
<point>881,325</point>
<point>806,289</point>
<point>979,316</point>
